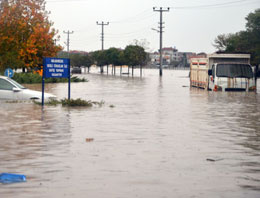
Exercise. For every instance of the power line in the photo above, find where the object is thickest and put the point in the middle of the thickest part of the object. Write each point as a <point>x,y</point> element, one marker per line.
<point>64,1</point>
<point>135,18</point>
<point>131,33</point>
<point>181,7</point>
<point>231,3</point>
<point>119,35</point>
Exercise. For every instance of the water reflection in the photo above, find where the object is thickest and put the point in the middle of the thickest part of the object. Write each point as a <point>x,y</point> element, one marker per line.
<point>33,142</point>
<point>232,120</point>
<point>155,142</point>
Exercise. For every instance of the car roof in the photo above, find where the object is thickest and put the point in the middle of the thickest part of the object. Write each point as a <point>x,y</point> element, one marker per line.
<point>3,77</point>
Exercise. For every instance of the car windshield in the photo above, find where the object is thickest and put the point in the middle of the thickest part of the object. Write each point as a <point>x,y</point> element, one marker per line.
<point>234,70</point>
<point>16,83</point>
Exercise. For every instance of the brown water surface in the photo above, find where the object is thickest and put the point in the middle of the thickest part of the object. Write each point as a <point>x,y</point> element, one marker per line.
<point>154,137</point>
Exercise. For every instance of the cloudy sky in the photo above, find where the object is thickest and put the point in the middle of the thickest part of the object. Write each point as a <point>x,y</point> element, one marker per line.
<point>190,25</point>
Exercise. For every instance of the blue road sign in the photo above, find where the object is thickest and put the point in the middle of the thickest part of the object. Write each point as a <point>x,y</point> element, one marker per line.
<point>56,68</point>
<point>9,72</point>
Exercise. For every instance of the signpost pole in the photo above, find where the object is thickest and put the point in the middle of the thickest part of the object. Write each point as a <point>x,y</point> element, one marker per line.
<point>43,81</point>
<point>69,79</point>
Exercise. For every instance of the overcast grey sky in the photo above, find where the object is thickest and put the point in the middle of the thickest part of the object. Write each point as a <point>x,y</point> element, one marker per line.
<point>190,25</point>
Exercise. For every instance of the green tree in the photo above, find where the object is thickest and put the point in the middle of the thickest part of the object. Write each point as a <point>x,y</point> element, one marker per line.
<point>87,60</point>
<point>247,41</point>
<point>99,57</point>
<point>121,58</point>
<point>76,60</point>
<point>113,55</point>
<point>84,60</point>
<point>132,55</point>
<point>135,55</point>
<point>253,21</point>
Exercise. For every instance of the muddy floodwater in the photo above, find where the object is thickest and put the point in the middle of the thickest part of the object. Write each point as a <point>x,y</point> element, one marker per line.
<point>153,138</point>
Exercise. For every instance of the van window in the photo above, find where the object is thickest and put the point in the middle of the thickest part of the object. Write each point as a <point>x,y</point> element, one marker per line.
<point>234,70</point>
<point>5,85</point>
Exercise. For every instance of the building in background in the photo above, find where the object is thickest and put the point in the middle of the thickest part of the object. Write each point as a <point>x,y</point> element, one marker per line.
<point>173,58</point>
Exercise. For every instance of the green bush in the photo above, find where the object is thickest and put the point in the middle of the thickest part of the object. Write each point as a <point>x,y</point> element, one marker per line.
<point>72,103</point>
<point>30,78</point>
<point>27,78</point>
<point>76,102</point>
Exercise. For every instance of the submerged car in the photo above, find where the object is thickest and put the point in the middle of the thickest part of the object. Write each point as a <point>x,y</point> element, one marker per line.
<point>11,90</point>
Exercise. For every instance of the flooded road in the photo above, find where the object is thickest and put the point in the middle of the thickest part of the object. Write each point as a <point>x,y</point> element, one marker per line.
<point>154,137</point>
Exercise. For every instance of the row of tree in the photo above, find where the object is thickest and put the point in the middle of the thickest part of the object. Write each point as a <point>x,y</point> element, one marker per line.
<point>247,41</point>
<point>26,34</point>
<point>132,55</point>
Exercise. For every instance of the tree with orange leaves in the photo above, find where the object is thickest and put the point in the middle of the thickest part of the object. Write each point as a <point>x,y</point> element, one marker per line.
<point>26,34</point>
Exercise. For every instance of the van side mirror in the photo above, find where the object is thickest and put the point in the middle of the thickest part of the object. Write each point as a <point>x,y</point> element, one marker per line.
<point>256,70</point>
<point>258,74</point>
<point>210,72</point>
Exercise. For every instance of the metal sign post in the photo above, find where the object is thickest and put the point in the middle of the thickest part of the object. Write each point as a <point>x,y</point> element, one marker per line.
<point>55,68</point>
<point>43,82</point>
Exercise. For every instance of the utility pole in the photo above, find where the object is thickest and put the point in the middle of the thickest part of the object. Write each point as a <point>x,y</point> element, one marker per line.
<point>161,10</point>
<point>102,37</point>
<point>68,41</point>
<point>102,33</point>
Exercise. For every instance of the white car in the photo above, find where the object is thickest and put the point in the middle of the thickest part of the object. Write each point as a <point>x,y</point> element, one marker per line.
<point>11,90</point>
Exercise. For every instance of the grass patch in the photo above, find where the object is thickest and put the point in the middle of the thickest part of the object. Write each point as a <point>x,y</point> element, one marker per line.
<point>76,103</point>
<point>30,78</point>
<point>51,102</point>
<point>14,101</point>
<point>72,103</point>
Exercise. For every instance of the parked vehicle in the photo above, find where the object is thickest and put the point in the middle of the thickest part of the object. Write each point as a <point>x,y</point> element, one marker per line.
<point>223,72</point>
<point>163,66</point>
<point>11,90</point>
<point>76,70</point>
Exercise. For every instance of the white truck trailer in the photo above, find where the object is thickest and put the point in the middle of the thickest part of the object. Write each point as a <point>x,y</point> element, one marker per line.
<point>223,72</point>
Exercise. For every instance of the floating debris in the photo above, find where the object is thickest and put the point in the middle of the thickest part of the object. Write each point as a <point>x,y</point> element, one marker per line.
<point>8,178</point>
<point>89,139</point>
<point>213,160</point>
